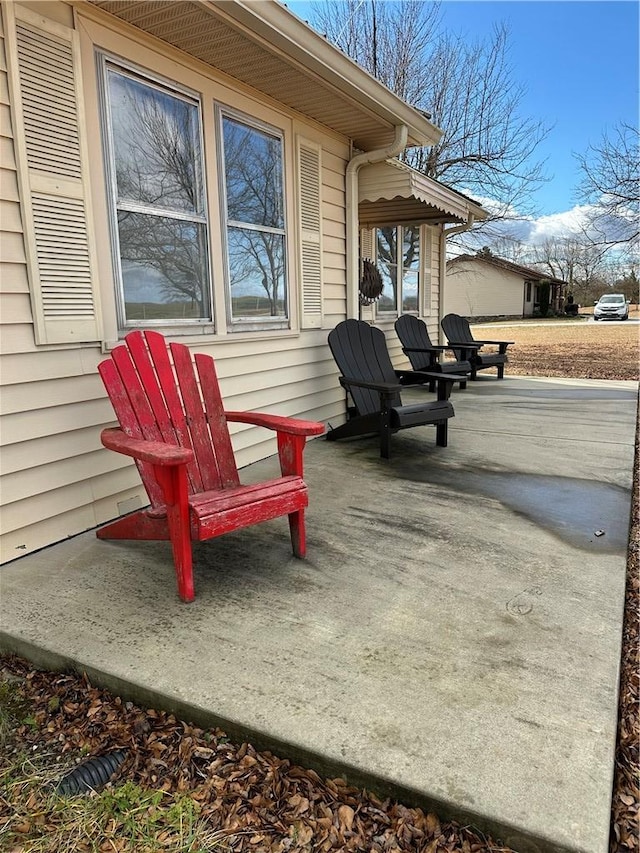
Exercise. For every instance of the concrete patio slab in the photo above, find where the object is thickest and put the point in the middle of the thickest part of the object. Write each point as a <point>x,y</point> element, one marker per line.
<point>453,638</point>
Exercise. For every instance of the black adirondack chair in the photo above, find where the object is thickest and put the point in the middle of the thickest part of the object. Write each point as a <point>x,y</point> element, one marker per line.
<point>360,351</point>
<point>466,347</point>
<point>423,355</point>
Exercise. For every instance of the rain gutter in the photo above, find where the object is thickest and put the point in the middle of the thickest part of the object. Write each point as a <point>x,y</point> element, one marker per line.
<point>352,221</point>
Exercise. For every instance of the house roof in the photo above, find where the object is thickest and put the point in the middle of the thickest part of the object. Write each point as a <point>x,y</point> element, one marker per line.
<point>526,273</point>
<point>267,47</point>
<point>392,193</point>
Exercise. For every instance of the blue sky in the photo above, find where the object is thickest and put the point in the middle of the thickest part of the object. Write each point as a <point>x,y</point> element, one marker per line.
<point>578,60</point>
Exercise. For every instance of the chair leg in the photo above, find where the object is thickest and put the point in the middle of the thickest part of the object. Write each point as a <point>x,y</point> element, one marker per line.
<point>463,385</point>
<point>385,433</point>
<point>442,430</point>
<point>501,371</point>
<point>183,560</point>
<point>385,443</point>
<point>174,486</point>
<point>298,533</point>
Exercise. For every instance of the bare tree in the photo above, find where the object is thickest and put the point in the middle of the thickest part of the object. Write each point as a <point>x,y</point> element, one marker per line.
<point>254,196</point>
<point>488,148</point>
<point>573,259</point>
<point>157,169</point>
<point>506,246</point>
<point>611,185</point>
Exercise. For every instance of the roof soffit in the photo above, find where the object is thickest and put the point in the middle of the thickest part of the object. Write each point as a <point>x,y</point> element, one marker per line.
<point>265,46</point>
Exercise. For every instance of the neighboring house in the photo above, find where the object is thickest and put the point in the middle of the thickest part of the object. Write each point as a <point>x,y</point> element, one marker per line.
<point>484,285</point>
<point>206,168</point>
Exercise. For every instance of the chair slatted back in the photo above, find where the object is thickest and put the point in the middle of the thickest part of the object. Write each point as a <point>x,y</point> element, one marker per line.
<point>456,328</point>
<point>158,398</point>
<point>413,334</point>
<point>360,351</point>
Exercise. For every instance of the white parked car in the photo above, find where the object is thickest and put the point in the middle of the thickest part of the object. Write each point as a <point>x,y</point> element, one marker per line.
<point>611,306</point>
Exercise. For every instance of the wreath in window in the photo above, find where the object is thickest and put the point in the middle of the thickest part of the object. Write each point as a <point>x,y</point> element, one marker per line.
<point>370,283</point>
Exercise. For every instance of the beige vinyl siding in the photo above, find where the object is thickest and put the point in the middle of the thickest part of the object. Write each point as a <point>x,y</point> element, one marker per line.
<point>432,319</point>
<point>334,162</point>
<point>476,289</point>
<point>51,464</point>
<point>56,479</point>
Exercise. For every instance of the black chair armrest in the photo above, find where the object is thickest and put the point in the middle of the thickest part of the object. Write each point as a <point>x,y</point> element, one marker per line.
<point>502,345</point>
<point>425,349</point>
<point>384,387</point>
<point>466,344</point>
<point>444,381</point>
<point>427,376</point>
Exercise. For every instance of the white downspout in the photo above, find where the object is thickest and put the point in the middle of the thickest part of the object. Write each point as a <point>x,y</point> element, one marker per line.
<point>352,224</point>
<point>457,229</point>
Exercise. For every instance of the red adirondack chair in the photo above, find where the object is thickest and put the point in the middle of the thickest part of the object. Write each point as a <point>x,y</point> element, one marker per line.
<point>173,424</point>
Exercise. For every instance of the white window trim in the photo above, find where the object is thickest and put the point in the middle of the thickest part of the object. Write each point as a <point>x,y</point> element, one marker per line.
<point>425,297</point>
<point>214,90</point>
<point>383,314</point>
<point>105,61</point>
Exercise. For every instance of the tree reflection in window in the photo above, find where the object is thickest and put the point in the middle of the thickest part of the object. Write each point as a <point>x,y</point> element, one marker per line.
<point>399,250</point>
<point>157,163</point>
<point>255,221</point>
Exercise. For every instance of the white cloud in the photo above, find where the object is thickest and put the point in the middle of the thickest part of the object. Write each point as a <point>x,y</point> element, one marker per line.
<point>527,230</point>
<point>565,224</point>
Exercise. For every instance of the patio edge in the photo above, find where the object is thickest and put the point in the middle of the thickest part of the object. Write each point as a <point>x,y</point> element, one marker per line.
<point>508,835</point>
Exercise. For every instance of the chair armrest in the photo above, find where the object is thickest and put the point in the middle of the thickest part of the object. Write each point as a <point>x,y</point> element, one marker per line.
<point>466,344</point>
<point>444,381</point>
<point>502,345</point>
<point>432,348</point>
<point>155,452</point>
<point>429,376</point>
<point>382,387</point>
<point>293,426</point>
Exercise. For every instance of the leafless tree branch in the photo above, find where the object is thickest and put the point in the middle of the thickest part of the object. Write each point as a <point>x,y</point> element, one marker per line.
<point>488,148</point>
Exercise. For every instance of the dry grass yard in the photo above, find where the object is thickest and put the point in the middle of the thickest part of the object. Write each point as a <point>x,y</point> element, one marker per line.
<point>579,349</point>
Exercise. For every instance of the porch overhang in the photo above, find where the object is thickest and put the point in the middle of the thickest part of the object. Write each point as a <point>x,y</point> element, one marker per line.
<point>267,47</point>
<point>392,193</point>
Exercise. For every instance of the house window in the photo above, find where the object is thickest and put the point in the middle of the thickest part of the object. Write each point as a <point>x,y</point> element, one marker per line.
<point>398,252</point>
<point>528,296</point>
<point>154,150</point>
<point>255,222</point>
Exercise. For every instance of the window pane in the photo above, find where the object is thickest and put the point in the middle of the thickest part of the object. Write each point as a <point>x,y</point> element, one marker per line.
<point>257,272</point>
<point>389,273</point>
<point>156,146</point>
<point>410,291</point>
<point>164,267</point>
<point>411,247</point>
<point>253,173</point>
<point>387,244</point>
<point>411,266</point>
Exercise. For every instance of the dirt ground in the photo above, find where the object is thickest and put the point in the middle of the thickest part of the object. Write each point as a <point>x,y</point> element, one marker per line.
<point>263,803</point>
